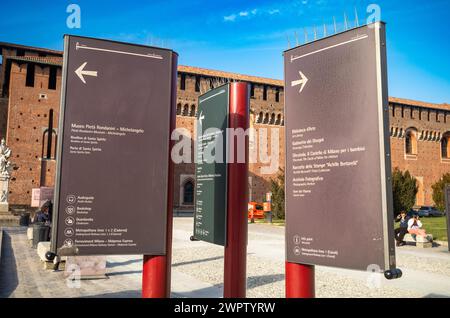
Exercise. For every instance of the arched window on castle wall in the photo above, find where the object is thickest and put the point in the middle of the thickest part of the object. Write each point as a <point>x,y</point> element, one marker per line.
<point>260,118</point>
<point>179,109</point>
<point>192,111</point>
<point>266,119</point>
<point>272,119</point>
<point>186,110</point>
<point>188,192</point>
<point>411,141</point>
<point>278,121</point>
<point>49,140</point>
<point>445,145</point>
<point>49,148</point>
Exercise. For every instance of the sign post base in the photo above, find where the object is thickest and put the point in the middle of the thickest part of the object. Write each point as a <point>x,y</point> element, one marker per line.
<point>155,277</point>
<point>300,281</point>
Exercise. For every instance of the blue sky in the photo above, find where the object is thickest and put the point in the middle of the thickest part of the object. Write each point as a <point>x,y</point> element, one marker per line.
<point>249,36</point>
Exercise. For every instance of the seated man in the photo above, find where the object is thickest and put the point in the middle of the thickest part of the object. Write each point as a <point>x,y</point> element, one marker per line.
<point>403,229</point>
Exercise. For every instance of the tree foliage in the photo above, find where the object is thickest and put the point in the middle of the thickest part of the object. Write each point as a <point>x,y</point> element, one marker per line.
<point>277,188</point>
<point>404,189</point>
<point>438,191</point>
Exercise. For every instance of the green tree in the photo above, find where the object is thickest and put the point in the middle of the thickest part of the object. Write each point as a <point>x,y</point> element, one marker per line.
<point>277,188</point>
<point>438,191</point>
<point>404,189</point>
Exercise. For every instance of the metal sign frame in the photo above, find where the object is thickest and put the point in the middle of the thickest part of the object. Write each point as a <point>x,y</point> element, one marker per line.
<point>301,83</point>
<point>84,76</point>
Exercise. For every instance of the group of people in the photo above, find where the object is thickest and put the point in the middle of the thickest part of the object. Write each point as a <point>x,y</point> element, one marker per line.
<point>411,225</point>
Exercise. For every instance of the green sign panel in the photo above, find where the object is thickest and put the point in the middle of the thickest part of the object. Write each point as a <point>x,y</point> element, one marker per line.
<point>211,168</point>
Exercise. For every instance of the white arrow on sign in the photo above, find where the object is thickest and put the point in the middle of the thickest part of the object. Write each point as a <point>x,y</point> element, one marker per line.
<point>302,81</point>
<point>201,117</point>
<point>80,72</point>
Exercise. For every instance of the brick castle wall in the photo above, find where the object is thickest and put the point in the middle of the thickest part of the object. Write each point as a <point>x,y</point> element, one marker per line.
<point>427,164</point>
<point>28,118</point>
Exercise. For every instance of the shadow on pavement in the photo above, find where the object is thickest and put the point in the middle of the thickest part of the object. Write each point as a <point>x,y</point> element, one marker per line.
<point>8,268</point>
<point>198,261</point>
<point>215,291</point>
<point>129,262</point>
<point>435,296</point>
<point>123,273</point>
<point>257,281</point>
<point>122,294</point>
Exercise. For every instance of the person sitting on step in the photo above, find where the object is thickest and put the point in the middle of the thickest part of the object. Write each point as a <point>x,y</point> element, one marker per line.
<point>415,226</point>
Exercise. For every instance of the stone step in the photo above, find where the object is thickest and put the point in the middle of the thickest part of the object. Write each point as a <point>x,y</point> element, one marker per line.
<point>9,220</point>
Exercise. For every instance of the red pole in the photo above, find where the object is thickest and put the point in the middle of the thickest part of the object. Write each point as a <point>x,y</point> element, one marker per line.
<point>156,270</point>
<point>300,282</point>
<point>154,277</point>
<point>235,267</point>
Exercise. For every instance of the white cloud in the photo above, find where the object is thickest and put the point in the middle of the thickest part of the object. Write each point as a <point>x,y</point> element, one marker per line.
<point>248,14</point>
<point>230,18</point>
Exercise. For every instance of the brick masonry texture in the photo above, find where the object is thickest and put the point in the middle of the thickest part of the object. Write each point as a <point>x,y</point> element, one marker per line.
<point>27,110</point>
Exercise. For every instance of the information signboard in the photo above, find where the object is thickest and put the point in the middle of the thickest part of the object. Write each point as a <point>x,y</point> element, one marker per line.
<point>339,208</point>
<point>211,167</point>
<point>117,105</point>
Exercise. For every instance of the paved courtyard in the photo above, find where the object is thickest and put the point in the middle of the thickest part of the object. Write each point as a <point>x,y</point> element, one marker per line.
<point>197,271</point>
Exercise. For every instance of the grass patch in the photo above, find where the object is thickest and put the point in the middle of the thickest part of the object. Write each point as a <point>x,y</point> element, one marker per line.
<point>437,226</point>
<point>275,222</point>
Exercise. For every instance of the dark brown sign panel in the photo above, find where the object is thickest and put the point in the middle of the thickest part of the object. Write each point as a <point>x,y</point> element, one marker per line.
<point>113,157</point>
<point>338,189</point>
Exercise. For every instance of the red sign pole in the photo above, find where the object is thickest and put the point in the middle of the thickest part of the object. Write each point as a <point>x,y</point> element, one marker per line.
<point>235,280</point>
<point>300,282</point>
<point>156,270</point>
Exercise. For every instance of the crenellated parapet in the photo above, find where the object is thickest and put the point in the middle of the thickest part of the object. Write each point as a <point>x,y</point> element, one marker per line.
<point>422,135</point>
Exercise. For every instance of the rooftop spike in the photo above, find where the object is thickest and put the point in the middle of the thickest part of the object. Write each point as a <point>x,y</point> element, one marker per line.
<point>345,22</point>
<point>288,41</point>
<point>296,38</point>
